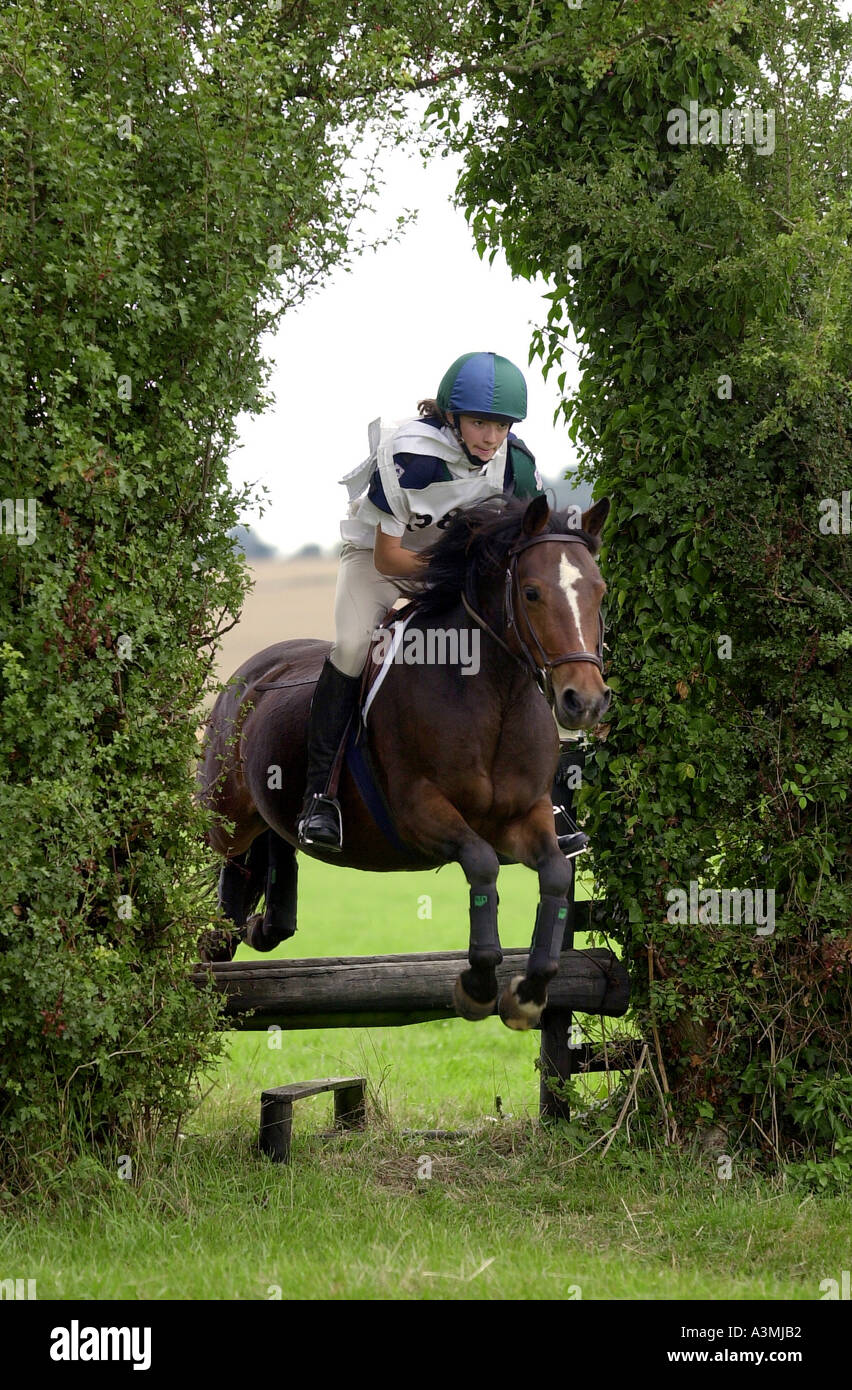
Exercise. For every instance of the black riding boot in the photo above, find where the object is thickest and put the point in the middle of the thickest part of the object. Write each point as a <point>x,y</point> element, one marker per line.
<point>334,701</point>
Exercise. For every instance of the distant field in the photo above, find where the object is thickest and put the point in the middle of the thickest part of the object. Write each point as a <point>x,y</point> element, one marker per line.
<point>290,598</point>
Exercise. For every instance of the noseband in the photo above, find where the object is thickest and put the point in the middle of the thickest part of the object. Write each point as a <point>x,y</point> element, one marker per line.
<point>540,666</point>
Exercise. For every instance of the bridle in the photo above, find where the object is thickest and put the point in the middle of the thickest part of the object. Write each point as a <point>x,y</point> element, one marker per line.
<point>540,666</point>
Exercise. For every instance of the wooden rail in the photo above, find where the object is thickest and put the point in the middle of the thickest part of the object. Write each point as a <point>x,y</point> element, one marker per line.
<point>391,991</point>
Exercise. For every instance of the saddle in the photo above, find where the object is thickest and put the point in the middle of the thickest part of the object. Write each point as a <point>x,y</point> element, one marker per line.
<point>353,746</point>
<point>370,674</point>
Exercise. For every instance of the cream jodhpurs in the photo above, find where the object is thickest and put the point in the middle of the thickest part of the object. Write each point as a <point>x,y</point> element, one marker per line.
<point>362,599</point>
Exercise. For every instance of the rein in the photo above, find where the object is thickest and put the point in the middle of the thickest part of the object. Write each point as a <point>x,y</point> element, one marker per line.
<point>540,669</point>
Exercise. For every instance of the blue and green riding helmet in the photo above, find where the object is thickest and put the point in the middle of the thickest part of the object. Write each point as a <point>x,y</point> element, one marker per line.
<point>486,385</point>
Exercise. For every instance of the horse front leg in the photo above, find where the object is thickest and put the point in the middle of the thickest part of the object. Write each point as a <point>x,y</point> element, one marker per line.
<point>533,842</point>
<point>434,824</point>
<point>475,990</point>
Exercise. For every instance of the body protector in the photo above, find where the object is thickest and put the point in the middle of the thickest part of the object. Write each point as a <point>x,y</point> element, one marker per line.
<point>417,477</point>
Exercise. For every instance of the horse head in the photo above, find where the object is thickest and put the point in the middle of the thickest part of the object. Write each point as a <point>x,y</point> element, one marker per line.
<point>554,591</point>
<point>527,576</point>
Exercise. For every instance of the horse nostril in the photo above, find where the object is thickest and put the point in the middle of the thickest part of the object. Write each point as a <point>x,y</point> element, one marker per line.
<point>606,698</point>
<point>571,703</point>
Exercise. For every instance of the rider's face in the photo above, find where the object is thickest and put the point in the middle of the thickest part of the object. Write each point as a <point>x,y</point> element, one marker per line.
<point>482,437</point>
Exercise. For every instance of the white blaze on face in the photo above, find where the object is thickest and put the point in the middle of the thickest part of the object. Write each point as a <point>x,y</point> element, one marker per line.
<point>569,578</point>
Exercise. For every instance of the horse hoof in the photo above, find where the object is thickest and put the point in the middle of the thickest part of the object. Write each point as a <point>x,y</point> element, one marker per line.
<point>263,935</point>
<point>218,946</point>
<point>468,1008</point>
<point>253,934</point>
<point>515,1013</point>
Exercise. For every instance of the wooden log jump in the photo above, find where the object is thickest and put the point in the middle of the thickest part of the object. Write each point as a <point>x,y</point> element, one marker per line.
<point>394,991</point>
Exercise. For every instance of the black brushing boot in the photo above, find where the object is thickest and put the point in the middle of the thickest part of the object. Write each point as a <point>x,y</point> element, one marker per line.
<point>334,701</point>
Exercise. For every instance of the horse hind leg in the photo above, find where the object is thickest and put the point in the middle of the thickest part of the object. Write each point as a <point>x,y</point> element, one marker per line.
<point>264,933</point>
<point>241,882</point>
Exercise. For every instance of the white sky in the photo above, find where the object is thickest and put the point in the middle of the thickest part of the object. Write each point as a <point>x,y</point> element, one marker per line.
<point>376,340</point>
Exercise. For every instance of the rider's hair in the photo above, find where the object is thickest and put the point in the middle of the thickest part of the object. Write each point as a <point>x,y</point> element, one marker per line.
<point>430,407</point>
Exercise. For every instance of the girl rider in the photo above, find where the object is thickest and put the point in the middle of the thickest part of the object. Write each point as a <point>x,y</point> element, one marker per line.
<point>459,452</point>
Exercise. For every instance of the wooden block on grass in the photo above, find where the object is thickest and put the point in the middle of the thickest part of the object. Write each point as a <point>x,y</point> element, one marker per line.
<point>276,1110</point>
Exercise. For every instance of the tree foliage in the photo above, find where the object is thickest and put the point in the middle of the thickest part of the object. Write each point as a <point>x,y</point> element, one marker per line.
<point>174,178</point>
<point>708,285</point>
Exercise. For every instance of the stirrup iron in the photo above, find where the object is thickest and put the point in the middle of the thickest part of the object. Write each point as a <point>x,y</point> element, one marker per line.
<point>331,807</point>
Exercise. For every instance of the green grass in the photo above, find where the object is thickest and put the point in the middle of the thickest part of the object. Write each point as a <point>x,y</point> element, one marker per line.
<point>509,1212</point>
<point>508,1215</point>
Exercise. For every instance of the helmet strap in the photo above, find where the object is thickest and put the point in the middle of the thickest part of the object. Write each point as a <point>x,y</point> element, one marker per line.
<point>456,429</point>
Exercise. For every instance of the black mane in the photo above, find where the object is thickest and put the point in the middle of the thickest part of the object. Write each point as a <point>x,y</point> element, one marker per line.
<point>478,539</point>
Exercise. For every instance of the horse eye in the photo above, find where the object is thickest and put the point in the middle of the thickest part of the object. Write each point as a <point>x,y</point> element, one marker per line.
<point>532,593</point>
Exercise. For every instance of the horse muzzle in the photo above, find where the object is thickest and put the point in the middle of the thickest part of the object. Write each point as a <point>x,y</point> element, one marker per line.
<point>580,709</point>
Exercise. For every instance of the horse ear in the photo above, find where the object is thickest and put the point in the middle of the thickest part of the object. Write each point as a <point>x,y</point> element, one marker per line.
<point>536,516</point>
<point>593,520</point>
